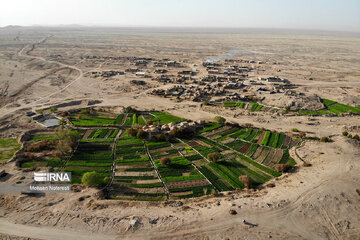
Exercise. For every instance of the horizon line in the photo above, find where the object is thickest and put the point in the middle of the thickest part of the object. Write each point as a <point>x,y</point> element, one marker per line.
<point>179,27</point>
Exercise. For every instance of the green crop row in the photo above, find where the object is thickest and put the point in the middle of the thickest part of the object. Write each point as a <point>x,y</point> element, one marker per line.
<point>261,167</point>
<point>215,180</point>
<point>266,138</point>
<point>182,178</point>
<point>227,174</point>
<point>210,127</point>
<point>252,149</point>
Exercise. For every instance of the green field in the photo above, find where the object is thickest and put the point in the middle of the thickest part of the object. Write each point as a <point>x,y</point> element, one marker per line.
<point>8,147</point>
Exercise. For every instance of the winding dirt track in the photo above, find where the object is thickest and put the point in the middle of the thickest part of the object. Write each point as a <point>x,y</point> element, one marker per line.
<point>62,66</point>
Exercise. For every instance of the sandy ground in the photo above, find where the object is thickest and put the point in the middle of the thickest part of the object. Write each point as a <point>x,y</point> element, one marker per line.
<point>317,202</point>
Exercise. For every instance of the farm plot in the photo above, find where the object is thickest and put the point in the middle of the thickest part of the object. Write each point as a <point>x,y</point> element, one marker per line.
<point>220,175</point>
<point>263,155</point>
<point>180,176</point>
<point>135,178</point>
<point>134,120</point>
<point>101,134</point>
<point>89,157</point>
<point>119,119</point>
<point>129,120</point>
<point>332,107</point>
<point>209,127</point>
<point>286,158</point>
<point>8,147</point>
<point>39,136</point>
<point>164,118</point>
<point>86,118</point>
<point>214,132</point>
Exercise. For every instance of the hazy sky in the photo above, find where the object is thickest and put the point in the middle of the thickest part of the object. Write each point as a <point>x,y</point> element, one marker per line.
<point>294,14</point>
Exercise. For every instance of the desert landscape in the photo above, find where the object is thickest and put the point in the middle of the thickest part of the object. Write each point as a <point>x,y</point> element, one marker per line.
<point>193,133</point>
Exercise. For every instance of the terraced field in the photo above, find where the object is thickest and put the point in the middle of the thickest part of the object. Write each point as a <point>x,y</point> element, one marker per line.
<point>135,177</point>
<point>138,170</point>
<point>180,176</point>
<point>88,157</point>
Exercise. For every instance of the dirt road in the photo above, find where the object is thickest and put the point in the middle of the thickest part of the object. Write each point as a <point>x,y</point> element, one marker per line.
<point>47,233</point>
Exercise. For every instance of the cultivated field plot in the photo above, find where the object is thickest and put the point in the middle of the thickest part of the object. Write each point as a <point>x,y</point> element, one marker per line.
<point>265,147</point>
<point>90,157</point>
<point>95,118</point>
<point>330,107</point>
<point>240,151</point>
<point>88,118</point>
<point>100,133</point>
<point>7,149</point>
<point>182,179</point>
<point>252,106</point>
<point>135,177</point>
<point>225,172</point>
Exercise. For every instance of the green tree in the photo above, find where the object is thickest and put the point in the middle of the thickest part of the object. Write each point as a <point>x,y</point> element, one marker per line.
<point>67,140</point>
<point>220,120</point>
<point>91,179</point>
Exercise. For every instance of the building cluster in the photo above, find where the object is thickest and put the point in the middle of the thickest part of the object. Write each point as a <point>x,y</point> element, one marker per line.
<point>166,129</point>
<point>192,93</point>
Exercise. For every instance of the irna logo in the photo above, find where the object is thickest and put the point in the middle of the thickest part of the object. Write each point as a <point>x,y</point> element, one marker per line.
<point>52,177</point>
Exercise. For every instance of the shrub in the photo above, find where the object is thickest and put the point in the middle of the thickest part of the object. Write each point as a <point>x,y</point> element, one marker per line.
<point>245,180</point>
<point>283,167</point>
<point>324,139</point>
<point>40,146</point>
<point>165,160</point>
<point>213,156</point>
<point>53,109</point>
<point>205,103</point>
<point>345,133</point>
<point>220,120</point>
<point>40,111</point>
<point>295,130</point>
<point>91,179</point>
<point>356,137</point>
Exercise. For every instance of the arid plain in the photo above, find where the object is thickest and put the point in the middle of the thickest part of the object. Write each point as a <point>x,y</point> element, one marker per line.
<point>43,67</point>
